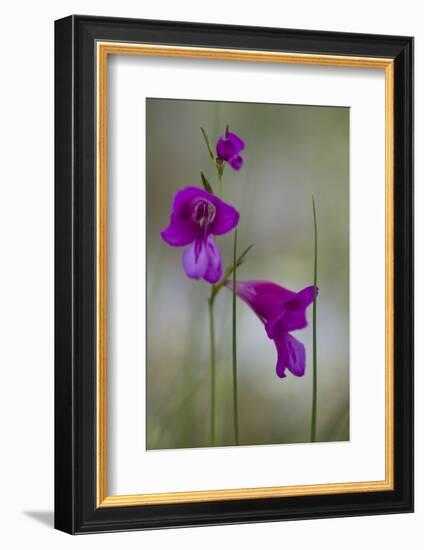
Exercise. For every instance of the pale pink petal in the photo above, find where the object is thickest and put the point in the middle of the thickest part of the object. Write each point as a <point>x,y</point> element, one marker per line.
<point>195,260</point>
<point>214,270</point>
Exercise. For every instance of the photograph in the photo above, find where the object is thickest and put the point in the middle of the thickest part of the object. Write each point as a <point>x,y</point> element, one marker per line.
<point>233,273</point>
<point>210,297</point>
<point>247,259</point>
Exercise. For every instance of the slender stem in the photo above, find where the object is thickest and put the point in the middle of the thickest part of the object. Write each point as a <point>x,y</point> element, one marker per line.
<point>212,320</point>
<point>235,394</point>
<point>208,145</point>
<point>212,396</point>
<point>229,271</point>
<point>220,183</point>
<point>314,331</point>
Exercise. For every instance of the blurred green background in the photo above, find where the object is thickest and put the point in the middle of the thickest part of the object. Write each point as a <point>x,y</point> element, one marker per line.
<point>292,152</point>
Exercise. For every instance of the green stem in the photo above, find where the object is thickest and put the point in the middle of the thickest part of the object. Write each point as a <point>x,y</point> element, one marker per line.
<point>235,394</point>
<point>212,396</point>
<point>219,183</point>
<point>229,271</point>
<point>314,332</point>
<point>208,145</point>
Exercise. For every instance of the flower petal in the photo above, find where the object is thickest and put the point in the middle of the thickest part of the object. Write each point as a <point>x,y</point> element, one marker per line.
<point>236,162</point>
<point>179,232</point>
<point>226,217</point>
<point>293,320</point>
<point>295,316</point>
<point>267,299</point>
<point>214,270</point>
<point>225,149</point>
<point>237,142</point>
<point>185,199</point>
<point>195,260</point>
<point>272,325</point>
<point>228,148</point>
<point>303,299</point>
<point>291,355</point>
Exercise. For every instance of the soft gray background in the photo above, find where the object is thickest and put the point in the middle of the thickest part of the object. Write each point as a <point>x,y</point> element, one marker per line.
<point>292,152</point>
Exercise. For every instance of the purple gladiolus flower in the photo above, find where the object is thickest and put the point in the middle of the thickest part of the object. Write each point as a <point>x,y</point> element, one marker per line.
<point>196,216</point>
<point>281,311</point>
<point>228,148</point>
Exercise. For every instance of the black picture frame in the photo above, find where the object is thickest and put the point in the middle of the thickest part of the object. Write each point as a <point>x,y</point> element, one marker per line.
<point>76,510</point>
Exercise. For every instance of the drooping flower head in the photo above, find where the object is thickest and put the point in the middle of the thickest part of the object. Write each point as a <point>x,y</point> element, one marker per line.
<point>228,148</point>
<point>196,216</point>
<point>282,311</point>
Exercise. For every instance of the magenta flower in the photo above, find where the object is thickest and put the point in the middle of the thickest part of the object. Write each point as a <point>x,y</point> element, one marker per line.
<point>196,216</point>
<point>281,311</point>
<point>228,148</point>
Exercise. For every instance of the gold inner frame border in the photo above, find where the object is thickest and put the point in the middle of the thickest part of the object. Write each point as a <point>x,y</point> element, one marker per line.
<point>103,50</point>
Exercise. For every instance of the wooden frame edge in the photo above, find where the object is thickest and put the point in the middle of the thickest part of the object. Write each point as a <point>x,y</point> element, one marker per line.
<point>103,49</point>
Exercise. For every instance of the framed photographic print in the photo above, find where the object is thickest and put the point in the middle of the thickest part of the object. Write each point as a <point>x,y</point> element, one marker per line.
<point>234,274</point>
